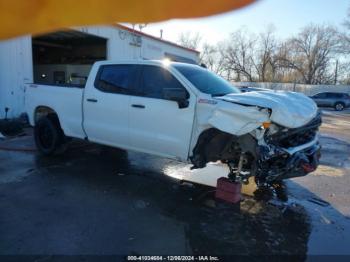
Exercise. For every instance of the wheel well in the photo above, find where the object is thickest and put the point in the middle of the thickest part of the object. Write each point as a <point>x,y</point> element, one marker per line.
<point>41,111</point>
<point>215,145</point>
<point>339,102</point>
<point>211,145</point>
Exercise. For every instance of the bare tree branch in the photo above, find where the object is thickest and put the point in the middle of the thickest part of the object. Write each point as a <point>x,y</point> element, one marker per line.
<point>189,39</point>
<point>310,52</point>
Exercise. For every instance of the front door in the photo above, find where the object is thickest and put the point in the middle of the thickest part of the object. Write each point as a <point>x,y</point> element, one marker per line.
<point>157,125</point>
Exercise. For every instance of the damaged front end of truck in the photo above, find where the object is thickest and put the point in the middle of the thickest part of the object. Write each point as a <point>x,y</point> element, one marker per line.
<point>261,136</point>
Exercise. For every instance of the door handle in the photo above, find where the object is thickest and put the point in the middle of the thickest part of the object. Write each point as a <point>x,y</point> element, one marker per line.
<point>93,100</point>
<point>138,106</point>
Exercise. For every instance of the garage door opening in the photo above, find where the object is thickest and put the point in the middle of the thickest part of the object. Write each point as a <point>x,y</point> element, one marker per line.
<point>66,57</point>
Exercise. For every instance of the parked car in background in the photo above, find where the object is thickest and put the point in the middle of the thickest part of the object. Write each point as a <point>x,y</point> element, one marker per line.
<point>338,101</point>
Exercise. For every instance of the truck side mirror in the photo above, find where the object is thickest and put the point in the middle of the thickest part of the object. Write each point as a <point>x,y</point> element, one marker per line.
<point>178,95</point>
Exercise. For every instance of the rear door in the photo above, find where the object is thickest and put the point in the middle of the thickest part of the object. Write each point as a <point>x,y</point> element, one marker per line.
<point>106,105</point>
<point>329,99</point>
<point>337,97</point>
<point>157,125</point>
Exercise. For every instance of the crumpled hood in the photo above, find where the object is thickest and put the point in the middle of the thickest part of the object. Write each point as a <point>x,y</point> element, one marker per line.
<point>289,109</point>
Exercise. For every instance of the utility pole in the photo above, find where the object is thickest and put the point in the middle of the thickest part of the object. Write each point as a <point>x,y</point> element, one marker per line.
<point>336,72</point>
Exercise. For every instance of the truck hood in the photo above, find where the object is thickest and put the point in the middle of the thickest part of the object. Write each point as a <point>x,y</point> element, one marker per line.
<point>289,109</point>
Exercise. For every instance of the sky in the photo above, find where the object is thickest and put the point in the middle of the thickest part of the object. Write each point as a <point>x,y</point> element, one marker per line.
<point>286,16</point>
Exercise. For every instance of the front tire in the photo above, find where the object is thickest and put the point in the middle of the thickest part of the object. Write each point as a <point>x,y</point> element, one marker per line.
<point>339,106</point>
<point>48,135</point>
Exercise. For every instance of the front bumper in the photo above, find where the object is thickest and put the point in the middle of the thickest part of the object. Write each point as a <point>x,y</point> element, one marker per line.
<point>289,152</point>
<point>289,162</point>
<point>277,162</point>
<point>302,162</point>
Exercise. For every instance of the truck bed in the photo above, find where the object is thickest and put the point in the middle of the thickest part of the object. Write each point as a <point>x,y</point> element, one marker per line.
<point>65,100</point>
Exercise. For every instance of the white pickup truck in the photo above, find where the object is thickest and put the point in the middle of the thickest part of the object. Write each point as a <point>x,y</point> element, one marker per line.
<point>183,112</point>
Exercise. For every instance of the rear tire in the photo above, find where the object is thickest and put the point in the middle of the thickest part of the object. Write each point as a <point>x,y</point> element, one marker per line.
<point>339,106</point>
<point>48,135</point>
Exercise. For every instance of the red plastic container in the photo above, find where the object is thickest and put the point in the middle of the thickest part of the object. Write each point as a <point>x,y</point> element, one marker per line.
<point>228,191</point>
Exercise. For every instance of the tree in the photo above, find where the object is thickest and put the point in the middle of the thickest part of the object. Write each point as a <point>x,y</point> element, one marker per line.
<point>250,57</point>
<point>345,36</point>
<point>265,59</point>
<point>310,53</point>
<point>189,40</point>
<point>310,57</point>
<point>212,58</point>
<point>283,72</point>
<point>238,53</point>
<point>343,75</point>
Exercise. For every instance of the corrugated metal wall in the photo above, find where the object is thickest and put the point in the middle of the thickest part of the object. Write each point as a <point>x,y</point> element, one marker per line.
<point>16,61</point>
<point>15,70</point>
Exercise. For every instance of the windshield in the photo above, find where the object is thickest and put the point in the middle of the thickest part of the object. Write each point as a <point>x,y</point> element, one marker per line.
<point>205,80</point>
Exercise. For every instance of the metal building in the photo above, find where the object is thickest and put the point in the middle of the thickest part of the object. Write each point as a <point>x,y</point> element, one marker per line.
<point>65,57</point>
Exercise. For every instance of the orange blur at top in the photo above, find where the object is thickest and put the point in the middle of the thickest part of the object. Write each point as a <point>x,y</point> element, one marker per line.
<point>20,17</point>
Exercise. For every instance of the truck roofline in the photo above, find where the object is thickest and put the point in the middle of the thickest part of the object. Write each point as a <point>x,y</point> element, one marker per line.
<point>136,62</point>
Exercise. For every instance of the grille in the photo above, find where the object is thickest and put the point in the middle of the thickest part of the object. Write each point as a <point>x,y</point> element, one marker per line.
<point>297,136</point>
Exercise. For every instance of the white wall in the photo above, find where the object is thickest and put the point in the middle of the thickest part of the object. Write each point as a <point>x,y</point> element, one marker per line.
<point>15,70</point>
<point>153,49</point>
<point>16,66</point>
<point>119,47</point>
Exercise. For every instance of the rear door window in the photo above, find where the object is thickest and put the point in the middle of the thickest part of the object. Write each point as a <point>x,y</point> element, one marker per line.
<point>115,78</point>
<point>335,95</point>
<point>330,95</point>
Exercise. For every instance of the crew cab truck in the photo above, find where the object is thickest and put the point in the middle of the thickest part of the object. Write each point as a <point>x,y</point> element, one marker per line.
<point>183,112</point>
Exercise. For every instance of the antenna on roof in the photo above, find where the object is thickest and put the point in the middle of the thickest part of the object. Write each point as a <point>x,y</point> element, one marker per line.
<point>161,33</point>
